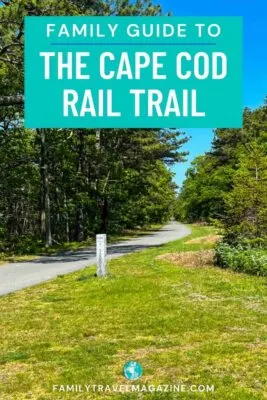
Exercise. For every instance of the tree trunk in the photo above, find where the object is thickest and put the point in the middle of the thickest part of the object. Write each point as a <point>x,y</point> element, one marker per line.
<point>79,207</point>
<point>66,218</point>
<point>104,216</point>
<point>79,223</point>
<point>45,202</point>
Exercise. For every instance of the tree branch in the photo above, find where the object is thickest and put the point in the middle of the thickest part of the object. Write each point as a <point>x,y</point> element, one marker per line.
<point>14,100</point>
<point>5,49</point>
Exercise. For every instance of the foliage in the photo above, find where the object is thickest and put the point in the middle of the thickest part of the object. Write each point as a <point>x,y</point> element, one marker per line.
<point>240,259</point>
<point>59,185</point>
<point>122,183</point>
<point>201,195</point>
<point>246,203</point>
<point>229,183</point>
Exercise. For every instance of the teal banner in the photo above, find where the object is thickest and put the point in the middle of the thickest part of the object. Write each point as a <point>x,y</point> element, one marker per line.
<point>133,72</point>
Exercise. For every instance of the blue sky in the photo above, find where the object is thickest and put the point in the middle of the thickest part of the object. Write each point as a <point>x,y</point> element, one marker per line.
<point>254,13</point>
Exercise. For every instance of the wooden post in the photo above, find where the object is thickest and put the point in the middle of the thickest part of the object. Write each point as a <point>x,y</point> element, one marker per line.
<point>101,254</point>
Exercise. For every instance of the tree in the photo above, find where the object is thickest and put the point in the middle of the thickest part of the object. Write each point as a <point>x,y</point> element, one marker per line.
<point>71,184</point>
<point>229,182</point>
<point>246,203</point>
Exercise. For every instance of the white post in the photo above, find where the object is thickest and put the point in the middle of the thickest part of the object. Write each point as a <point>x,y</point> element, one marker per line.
<point>101,254</point>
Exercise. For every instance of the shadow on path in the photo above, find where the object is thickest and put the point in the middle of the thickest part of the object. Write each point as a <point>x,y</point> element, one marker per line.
<point>89,253</point>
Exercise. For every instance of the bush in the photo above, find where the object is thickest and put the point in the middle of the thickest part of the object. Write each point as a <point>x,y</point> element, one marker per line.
<point>249,260</point>
<point>234,238</point>
<point>20,245</point>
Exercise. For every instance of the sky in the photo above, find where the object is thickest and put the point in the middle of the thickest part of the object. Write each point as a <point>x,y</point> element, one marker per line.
<point>254,13</point>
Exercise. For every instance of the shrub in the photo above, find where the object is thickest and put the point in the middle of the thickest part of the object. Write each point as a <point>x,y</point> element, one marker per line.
<point>249,260</point>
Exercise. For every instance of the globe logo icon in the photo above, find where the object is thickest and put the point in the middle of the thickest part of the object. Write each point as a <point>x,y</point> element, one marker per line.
<point>132,370</point>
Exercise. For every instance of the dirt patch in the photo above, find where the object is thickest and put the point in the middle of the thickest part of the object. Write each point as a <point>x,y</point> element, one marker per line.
<point>190,259</point>
<point>209,239</point>
<point>10,369</point>
<point>198,297</point>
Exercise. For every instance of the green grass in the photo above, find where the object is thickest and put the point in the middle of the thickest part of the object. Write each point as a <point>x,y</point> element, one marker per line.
<point>4,258</point>
<point>184,325</point>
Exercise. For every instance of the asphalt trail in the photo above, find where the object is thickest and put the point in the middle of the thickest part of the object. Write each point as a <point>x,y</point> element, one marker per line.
<point>16,276</point>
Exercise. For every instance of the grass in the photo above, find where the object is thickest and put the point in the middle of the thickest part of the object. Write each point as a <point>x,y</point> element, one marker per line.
<point>4,258</point>
<point>184,325</point>
<point>40,250</point>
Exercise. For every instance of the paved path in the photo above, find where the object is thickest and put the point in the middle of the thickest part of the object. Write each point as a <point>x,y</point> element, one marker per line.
<point>15,276</point>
